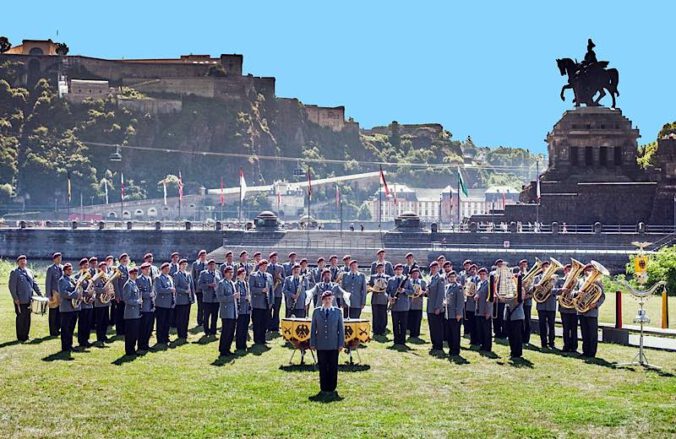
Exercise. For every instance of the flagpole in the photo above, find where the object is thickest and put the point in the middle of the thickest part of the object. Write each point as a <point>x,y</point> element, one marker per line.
<point>459,228</point>
<point>121,196</point>
<point>239,214</point>
<point>380,202</point>
<point>81,207</point>
<point>340,207</point>
<point>537,184</point>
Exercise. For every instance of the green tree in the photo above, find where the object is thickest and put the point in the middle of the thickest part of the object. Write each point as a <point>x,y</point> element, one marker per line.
<point>364,214</point>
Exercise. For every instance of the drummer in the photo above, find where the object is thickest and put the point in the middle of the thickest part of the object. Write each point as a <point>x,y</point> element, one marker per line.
<point>327,337</point>
<point>22,285</point>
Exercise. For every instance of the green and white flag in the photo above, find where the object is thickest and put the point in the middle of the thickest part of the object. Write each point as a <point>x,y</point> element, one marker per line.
<point>461,183</point>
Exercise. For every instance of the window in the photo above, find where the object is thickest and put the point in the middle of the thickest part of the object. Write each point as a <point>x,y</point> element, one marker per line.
<point>618,156</point>
<point>603,156</point>
<point>573,155</point>
<point>588,156</point>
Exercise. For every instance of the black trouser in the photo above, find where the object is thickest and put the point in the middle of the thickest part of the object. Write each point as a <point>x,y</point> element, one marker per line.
<point>471,326</point>
<point>68,321</point>
<point>119,318</point>
<point>54,322</point>
<point>526,323</point>
<point>399,324</point>
<point>200,308</point>
<point>273,320</point>
<point>131,332</point>
<point>298,313</point>
<point>210,318</point>
<point>182,316</point>
<point>242,331</point>
<point>84,326</point>
<point>569,322</point>
<point>23,320</point>
<point>485,338</point>
<point>468,323</point>
<point>113,313</point>
<point>453,334</point>
<point>546,320</point>
<point>172,318</point>
<point>589,327</point>
<point>101,318</point>
<point>498,328</point>
<point>162,315</point>
<point>355,313</point>
<point>414,321</point>
<point>260,324</point>
<point>379,319</point>
<point>146,330</point>
<point>436,324</point>
<point>227,335</point>
<point>515,334</point>
<point>328,369</point>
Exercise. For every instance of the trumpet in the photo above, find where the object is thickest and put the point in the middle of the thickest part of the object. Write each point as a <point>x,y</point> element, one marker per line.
<point>566,298</point>
<point>109,290</point>
<point>84,276</point>
<point>543,289</point>
<point>590,292</point>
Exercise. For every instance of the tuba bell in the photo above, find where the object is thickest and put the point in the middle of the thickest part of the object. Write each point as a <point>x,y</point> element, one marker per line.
<point>543,289</point>
<point>590,292</point>
<point>527,279</point>
<point>79,289</point>
<point>566,298</point>
<point>469,289</point>
<point>379,286</point>
<point>505,284</point>
<point>109,290</point>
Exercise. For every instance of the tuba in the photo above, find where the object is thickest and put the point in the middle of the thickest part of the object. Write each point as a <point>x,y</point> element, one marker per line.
<point>90,294</point>
<point>566,298</point>
<point>527,279</point>
<point>80,290</point>
<point>505,284</point>
<point>379,286</point>
<point>109,290</point>
<point>543,289</point>
<point>589,292</point>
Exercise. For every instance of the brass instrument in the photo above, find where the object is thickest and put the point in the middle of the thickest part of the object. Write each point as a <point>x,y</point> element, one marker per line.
<point>84,276</point>
<point>566,298</point>
<point>417,291</point>
<point>527,279</point>
<point>90,294</point>
<point>339,277</point>
<point>543,289</point>
<point>589,292</point>
<point>469,289</point>
<point>379,286</point>
<point>506,284</point>
<point>109,290</point>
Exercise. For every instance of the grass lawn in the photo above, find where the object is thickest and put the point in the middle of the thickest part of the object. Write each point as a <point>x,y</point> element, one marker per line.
<point>187,391</point>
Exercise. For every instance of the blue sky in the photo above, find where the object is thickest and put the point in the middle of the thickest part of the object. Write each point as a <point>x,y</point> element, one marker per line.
<point>486,69</point>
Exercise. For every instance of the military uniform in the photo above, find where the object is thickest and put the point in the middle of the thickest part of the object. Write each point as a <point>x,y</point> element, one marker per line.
<point>498,328</point>
<point>292,286</point>
<point>513,318</point>
<point>355,284</point>
<point>165,299</point>
<point>184,299</point>
<point>243,315</point>
<point>415,313</point>
<point>408,268</point>
<point>277,272</point>
<point>119,300</point>
<point>435,299</point>
<point>197,268</point>
<point>132,315</point>
<point>210,303</point>
<point>101,311</point>
<point>261,302</point>
<point>401,306</point>
<point>589,326</point>
<point>85,318</point>
<point>569,320</point>
<point>21,286</point>
<point>317,290</point>
<point>145,286</point>
<point>327,336</point>
<point>454,303</point>
<point>484,315</point>
<point>228,312</point>
<point>67,313</point>
<point>389,268</point>
<point>546,318</point>
<point>54,273</point>
<point>470,309</point>
<point>379,305</point>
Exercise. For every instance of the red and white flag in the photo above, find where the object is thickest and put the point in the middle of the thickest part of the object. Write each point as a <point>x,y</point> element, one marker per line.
<point>180,186</point>
<point>383,182</point>
<point>242,185</point>
<point>122,186</point>
<point>222,195</point>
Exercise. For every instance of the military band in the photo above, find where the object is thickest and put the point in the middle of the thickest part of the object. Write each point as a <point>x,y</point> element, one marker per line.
<point>243,293</point>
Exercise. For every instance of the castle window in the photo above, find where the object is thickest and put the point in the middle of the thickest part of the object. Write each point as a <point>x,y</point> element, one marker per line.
<point>603,156</point>
<point>588,156</point>
<point>618,156</point>
<point>573,155</point>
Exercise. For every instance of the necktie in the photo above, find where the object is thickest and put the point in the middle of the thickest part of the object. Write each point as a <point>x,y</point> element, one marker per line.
<point>326,313</point>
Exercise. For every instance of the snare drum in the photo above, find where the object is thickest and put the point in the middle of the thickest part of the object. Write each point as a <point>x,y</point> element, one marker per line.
<point>357,331</point>
<point>39,305</point>
<point>296,331</point>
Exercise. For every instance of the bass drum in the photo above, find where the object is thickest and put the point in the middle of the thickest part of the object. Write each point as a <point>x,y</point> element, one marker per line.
<point>39,305</point>
<point>296,331</point>
<point>357,331</point>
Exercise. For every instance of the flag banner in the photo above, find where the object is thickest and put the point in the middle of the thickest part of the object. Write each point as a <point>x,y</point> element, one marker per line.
<point>69,187</point>
<point>279,200</point>
<point>180,186</point>
<point>164,187</point>
<point>537,189</point>
<point>461,184</point>
<point>122,186</point>
<point>222,195</point>
<point>309,184</point>
<point>105,185</point>
<point>394,195</point>
<point>383,182</point>
<point>337,196</point>
<point>242,185</point>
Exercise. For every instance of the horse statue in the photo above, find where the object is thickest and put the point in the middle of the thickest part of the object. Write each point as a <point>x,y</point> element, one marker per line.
<point>588,78</point>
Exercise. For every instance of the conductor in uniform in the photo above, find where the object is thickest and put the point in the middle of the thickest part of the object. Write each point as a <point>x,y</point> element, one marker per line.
<point>327,337</point>
<point>21,286</point>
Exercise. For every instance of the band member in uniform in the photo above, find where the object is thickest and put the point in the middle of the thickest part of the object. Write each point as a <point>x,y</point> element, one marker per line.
<point>21,286</point>
<point>174,263</point>
<point>197,268</point>
<point>410,264</point>
<point>243,309</point>
<point>498,329</point>
<point>260,283</point>
<point>568,316</point>
<point>165,299</point>
<point>441,259</point>
<point>354,283</point>
<point>288,265</point>
<point>415,312</point>
<point>294,291</point>
<point>435,299</point>
<point>546,315</point>
<point>448,267</point>
<point>54,273</point>
<point>101,310</point>
<point>589,321</point>
<point>67,313</point>
<point>144,282</point>
<point>470,305</point>
<point>208,282</point>
<point>109,265</point>
<point>227,263</point>
<point>93,263</point>
<point>380,258</point>
<point>379,300</point>
<point>347,259</point>
<point>184,299</point>
<point>316,273</point>
<point>277,272</point>
<point>227,295</point>
<point>132,312</point>
<point>327,337</point>
<point>484,311</point>
<point>326,285</point>
<point>334,268</point>
<point>527,303</point>
<point>513,320</point>
<point>123,261</point>
<point>304,271</point>
<point>86,314</point>
<point>400,291</point>
<point>256,259</point>
<point>454,302</point>
<point>245,264</point>
<point>110,270</point>
<point>154,271</point>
